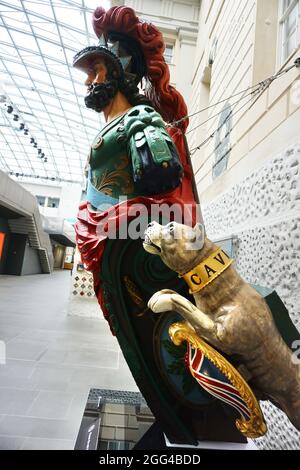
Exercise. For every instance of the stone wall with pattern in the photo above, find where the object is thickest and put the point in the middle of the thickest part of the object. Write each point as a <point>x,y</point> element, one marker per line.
<point>82,301</point>
<point>263,211</point>
<point>83,284</point>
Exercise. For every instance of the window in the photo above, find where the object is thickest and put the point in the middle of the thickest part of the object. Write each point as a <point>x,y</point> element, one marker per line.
<point>53,202</point>
<point>114,445</point>
<point>168,54</point>
<point>223,141</point>
<point>41,200</point>
<point>289,26</point>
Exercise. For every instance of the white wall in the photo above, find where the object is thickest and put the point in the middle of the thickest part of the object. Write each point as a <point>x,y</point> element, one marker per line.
<point>70,199</point>
<point>263,212</point>
<point>68,193</point>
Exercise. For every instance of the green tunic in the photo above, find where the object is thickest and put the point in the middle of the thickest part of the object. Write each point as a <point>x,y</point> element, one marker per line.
<point>111,170</point>
<point>123,149</point>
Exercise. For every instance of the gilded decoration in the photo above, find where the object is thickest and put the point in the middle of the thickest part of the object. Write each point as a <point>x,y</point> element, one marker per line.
<point>255,426</point>
<point>119,179</point>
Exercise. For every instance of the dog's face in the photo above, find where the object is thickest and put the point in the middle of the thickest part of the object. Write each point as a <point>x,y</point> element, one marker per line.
<point>178,245</point>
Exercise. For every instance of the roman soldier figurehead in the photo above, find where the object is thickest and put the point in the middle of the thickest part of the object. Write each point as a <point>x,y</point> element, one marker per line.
<point>128,51</point>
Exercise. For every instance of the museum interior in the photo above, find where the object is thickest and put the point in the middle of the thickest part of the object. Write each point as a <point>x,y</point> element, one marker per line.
<point>87,360</point>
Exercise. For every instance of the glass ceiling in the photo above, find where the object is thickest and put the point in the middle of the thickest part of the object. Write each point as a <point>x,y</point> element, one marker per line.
<point>48,131</point>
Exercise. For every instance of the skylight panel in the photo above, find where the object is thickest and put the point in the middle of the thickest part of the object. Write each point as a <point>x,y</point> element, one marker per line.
<point>70,107</point>
<point>4,35</point>
<point>50,49</point>
<point>51,101</point>
<point>43,27</point>
<point>22,38</point>
<point>40,7</point>
<point>49,97</point>
<point>69,14</point>
<point>44,88</point>
<point>17,68</point>
<point>71,53</point>
<point>73,39</point>
<point>63,83</point>
<point>55,65</point>
<point>16,20</point>
<point>38,73</point>
<point>30,58</point>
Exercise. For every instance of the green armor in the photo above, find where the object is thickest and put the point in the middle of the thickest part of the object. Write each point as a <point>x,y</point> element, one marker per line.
<point>143,125</point>
<point>116,152</point>
<point>156,166</point>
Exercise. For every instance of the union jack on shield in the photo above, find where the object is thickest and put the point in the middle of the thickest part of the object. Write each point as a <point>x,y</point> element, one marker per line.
<point>213,381</point>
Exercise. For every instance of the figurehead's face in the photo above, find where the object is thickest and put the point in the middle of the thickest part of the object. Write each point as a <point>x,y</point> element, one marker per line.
<point>100,88</point>
<point>96,73</point>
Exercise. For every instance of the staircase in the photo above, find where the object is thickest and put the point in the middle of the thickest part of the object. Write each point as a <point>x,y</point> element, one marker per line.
<point>32,226</point>
<point>21,202</point>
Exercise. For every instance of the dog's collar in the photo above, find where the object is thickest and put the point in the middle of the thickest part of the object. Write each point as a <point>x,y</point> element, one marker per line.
<point>206,271</point>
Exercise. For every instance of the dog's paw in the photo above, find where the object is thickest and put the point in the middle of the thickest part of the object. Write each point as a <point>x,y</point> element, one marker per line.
<point>166,291</point>
<point>161,301</point>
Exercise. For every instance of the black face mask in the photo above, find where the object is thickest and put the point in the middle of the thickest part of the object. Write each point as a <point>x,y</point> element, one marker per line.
<point>101,94</point>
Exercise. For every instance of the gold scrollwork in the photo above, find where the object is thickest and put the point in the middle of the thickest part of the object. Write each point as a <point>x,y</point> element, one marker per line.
<point>107,181</point>
<point>255,426</point>
<point>116,178</point>
<point>135,296</point>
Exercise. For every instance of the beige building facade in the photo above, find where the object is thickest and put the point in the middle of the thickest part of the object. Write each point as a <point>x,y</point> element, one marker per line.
<point>246,149</point>
<point>240,43</point>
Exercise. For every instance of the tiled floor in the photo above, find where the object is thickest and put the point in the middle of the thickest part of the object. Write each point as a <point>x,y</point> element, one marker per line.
<point>52,360</point>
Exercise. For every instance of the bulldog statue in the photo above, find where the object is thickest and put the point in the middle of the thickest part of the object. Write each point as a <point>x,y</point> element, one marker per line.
<point>229,313</point>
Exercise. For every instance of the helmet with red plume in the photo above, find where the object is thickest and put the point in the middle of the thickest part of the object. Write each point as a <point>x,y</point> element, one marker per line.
<point>143,43</point>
